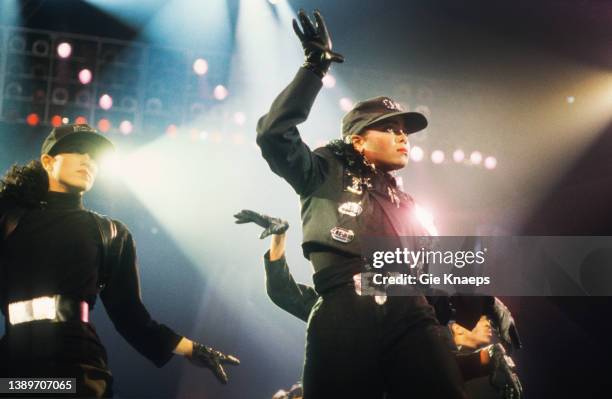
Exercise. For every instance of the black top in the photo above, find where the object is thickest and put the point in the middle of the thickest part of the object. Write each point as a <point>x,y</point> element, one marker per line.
<point>56,250</point>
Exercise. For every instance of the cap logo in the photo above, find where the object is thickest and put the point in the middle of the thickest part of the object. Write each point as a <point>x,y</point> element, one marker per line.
<point>392,105</point>
<point>82,128</point>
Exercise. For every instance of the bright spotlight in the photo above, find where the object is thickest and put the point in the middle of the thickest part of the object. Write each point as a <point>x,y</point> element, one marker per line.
<point>490,162</point>
<point>200,66</point>
<point>126,127</point>
<point>346,104</point>
<point>571,99</point>
<point>172,131</point>
<point>33,119</point>
<point>329,81</point>
<point>220,92</point>
<point>437,156</point>
<point>104,125</point>
<point>110,164</point>
<point>64,50</point>
<point>65,120</point>
<point>476,157</point>
<point>426,219</point>
<point>458,156</point>
<point>106,102</point>
<point>56,121</point>
<point>80,120</point>
<point>85,76</point>
<point>416,153</point>
<point>239,118</point>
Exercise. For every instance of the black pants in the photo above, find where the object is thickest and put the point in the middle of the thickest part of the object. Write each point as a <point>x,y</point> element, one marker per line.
<point>57,350</point>
<point>356,348</point>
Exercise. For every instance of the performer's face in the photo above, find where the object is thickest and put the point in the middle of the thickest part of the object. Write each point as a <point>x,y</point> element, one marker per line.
<point>70,172</point>
<point>384,144</point>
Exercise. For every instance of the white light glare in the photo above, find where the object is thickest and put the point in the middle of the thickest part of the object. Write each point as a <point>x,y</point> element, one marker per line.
<point>416,153</point>
<point>200,66</point>
<point>64,50</point>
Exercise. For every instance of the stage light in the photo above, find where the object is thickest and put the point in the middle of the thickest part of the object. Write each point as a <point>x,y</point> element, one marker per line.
<point>32,119</point>
<point>106,102</point>
<point>65,120</point>
<point>80,120</point>
<point>426,219</point>
<point>239,118</point>
<point>571,99</point>
<point>476,157</point>
<point>437,156</point>
<point>220,92</point>
<point>458,155</point>
<point>64,50</point>
<point>346,104</point>
<point>126,127</point>
<point>490,162</point>
<point>56,121</point>
<point>85,76</point>
<point>104,125</point>
<point>172,131</point>
<point>200,67</point>
<point>329,81</point>
<point>110,164</point>
<point>416,153</point>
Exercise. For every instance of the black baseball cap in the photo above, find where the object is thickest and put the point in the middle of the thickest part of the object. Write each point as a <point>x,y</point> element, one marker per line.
<point>377,109</point>
<point>63,136</point>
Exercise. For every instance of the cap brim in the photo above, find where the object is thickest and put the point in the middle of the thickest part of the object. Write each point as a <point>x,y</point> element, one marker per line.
<point>413,121</point>
<point>99,144</point>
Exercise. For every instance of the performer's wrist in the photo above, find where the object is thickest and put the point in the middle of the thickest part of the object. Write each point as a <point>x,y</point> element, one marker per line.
<point>184,347</point>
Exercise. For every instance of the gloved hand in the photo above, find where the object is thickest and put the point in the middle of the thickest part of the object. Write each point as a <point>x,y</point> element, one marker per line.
<point>316,43</point>
<point>503,378</point>
<point>204,356</point>
<point>270,224</point>
<point>502,320</point>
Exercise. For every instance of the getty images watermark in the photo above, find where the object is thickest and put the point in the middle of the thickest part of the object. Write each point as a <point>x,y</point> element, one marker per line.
<point>499,266</point>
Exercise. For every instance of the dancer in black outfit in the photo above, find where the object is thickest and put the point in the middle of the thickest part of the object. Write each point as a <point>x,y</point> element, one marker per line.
<point>477,358</point>
<point>56,257</point>
<point>354,345</point>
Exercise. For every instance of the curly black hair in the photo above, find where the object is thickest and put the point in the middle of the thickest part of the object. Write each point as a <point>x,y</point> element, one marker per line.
<point>25,185</point>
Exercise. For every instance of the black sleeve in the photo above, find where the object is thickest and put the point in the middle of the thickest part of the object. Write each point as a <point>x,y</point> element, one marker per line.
<point>123,302</point>
<point>297,299</point>
<point>279,139</point>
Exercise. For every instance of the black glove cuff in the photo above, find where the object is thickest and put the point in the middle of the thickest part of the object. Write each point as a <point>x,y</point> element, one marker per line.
<point>318,68</point>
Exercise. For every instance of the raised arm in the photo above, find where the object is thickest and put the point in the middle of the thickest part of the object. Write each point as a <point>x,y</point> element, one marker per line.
<point>296,299</point>
<point>277,134</point>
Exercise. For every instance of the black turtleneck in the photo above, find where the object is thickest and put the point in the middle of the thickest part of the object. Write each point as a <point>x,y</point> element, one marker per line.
<point>56,249</point>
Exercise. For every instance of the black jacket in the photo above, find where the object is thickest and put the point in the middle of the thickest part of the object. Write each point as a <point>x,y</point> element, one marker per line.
<point>343,199</point>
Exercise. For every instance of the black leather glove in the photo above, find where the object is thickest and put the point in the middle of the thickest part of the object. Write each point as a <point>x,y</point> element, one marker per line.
<point>270,224</point>
<point>316,43</point>
<point>502,320</point>
<point>503,378</point>
<point>204,356</point>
